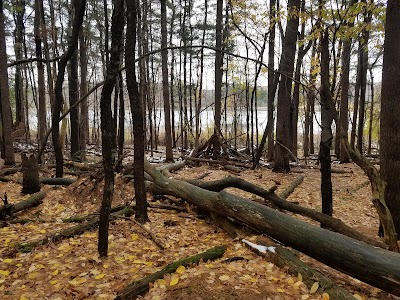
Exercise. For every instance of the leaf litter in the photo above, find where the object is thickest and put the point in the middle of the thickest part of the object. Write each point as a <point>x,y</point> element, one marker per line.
<point>71,268</point>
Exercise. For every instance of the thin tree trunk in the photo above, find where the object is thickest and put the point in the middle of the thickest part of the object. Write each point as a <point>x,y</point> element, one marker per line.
<point>107,128</point>
<point>137,112</point>
<point>84,112</point>
<point>72,45</point>
<point>326,125</point>
<point>42,128</point>
<point>7,151</point>
<point>166,102</point>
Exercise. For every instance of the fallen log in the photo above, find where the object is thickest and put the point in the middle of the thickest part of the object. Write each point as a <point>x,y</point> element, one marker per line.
<point>57,181</point>
<point>325,220</point>
<point>290,189</point>
<point>375,266</point>
<point>141,286</point>
<point>59,235</point>
<point>283,257</point>
<point>11,209</point>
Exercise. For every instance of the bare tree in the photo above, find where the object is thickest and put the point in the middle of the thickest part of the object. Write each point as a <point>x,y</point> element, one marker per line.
<point>107,127</point>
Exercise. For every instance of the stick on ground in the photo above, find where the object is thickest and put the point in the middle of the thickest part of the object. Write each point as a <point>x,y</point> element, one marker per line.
<point>141,286</point>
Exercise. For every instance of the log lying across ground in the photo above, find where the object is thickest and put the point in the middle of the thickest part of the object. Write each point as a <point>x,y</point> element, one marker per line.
<point>60,235</point>
<point>32,201</point>
<point>325,220</point>
<point>284,257</point>
<point>375,266</point>
<point>141,286</point>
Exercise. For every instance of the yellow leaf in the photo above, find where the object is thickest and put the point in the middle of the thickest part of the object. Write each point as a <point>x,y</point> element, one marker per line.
<point>280,290</point>
<point>105,266</point>
<point>224,277</point>
<point>33,275</point>
<point>77,281</point>
<point>42,231</point>
<point>40,266</point>
<point>305,297</point>
<point>299,277</point>
<point>358,297</point>
<point>298,283</point>
<point>53,282</point>
<point>8,260</point>
<point>55,272</point>
<point>174,281</point>
<point>134,237</point>
<point>180,270</point>
<point>39,255</point>
<point>314,287</point>
<point>290,281</point>
<point>18,265</point>
<point>100,276</point>
<point>149,263</point>
<point>23,298</point>
<point>161,281</point>
<point>325,296</point>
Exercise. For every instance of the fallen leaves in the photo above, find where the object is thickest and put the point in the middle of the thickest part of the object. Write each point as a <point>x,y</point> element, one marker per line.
<point>72,267</point>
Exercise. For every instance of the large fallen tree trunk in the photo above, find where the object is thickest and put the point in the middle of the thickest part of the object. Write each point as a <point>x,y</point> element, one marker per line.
<point>325,220</point>
<point>376,266</point>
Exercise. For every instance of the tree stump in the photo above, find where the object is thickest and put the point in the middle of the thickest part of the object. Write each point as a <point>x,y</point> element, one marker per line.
<point>30,171</point>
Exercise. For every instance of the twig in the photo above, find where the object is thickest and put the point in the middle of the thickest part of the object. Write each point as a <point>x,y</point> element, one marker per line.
<point>152,236</point>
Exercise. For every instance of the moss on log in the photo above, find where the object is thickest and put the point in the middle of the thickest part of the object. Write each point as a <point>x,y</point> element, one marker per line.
<point>141,286</point>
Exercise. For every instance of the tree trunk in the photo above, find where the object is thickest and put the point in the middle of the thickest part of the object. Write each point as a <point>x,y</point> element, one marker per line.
<point>84,112</point>
<point>30,171</point>
<point>73,91</point>
<point>335,250</point>
<point>58,101</point>
<point>137,112</point>
<point>271,80</point>
<point>107,127</point>
<point>167,108</point>
<point>42,128</point>
<point>326,131</point>
<point>218,68</point>
<point>283,143</point>
<point>363,83</point>
<point>7,151</point>
<point>390,111</point>
<point>344,95</point>
<point>19,12</point>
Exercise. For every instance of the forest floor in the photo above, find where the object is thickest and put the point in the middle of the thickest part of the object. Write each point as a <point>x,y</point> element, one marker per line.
<point>71,268</point>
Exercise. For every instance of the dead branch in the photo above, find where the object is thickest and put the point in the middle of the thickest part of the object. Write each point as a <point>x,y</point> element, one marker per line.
<point>141,286</point>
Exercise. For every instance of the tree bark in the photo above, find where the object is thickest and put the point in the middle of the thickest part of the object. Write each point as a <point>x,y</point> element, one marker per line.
<point>326,131</point>
<point>281,163</point>
<point>137,112</point>
<point>167,107</point>
<point>107,128</point>
<point>218,68</point>
<point>390,111</point>
<point>335,250</point>
<point>30,171</point>
<point>58,101</point>
<point>7,151</point>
